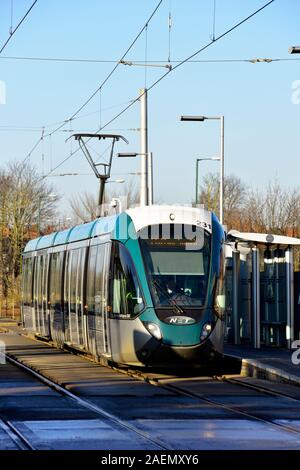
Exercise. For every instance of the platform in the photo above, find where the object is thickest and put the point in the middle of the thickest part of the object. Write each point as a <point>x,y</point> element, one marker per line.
<point>266,363</point>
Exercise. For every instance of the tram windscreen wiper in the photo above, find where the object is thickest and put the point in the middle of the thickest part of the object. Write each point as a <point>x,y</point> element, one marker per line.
<point>167,295</point>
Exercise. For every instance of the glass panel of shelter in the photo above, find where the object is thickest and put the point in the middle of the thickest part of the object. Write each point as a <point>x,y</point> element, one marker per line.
<point>273,297</point>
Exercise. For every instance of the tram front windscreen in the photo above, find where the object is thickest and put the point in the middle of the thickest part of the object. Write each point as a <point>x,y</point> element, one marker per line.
<point>177,270</point>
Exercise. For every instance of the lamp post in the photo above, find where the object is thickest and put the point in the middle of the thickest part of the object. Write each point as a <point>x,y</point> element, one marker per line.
<point>149,176</point>
<point>221,119</point>
<point>294,50</point>
<point>197,173</point>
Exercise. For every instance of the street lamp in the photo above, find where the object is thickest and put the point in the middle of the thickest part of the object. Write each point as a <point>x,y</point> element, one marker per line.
<point>294,50</point>
<point>197,172</point>
<point>115,181</point>
<point>149,176</point>
<point>221,119</point>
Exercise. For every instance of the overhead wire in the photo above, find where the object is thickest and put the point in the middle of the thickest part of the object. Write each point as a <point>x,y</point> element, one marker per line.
<point>63,123</point>
<point>119,62</point>
<point>154,61</point>
<point>12,32</point>
<point>206,46</point>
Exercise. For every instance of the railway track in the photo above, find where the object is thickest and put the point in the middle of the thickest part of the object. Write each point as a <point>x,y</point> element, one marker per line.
<point>159,382</point>
<point>177,389</point>
<point>19,439</point>
<point>183,386</point>
<point>116,422</point>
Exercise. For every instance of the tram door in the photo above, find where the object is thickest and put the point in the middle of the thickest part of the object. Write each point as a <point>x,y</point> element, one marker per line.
<point>40,295</point>
<point>74,286</point>
<point>28,302</point>
<point>96,291</point>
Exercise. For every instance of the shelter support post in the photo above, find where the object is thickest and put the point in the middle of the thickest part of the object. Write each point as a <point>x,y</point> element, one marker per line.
<point>235,295</point>
<point>256,297</point>
<point>289,296</point>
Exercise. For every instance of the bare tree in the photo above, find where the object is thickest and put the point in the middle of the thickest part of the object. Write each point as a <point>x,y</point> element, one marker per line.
<point>275,210</point>
<point>85,207</point>
<point>25,201</point>
<point>234,197</point>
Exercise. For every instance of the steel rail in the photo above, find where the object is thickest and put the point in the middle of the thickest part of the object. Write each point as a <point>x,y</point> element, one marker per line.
<point>15,435</point>
<point>117,422</point>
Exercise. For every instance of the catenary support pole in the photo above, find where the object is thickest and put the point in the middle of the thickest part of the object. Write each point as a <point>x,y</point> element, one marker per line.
<point>150,178</point>
<point>256,297</point>
<point>144,148</point>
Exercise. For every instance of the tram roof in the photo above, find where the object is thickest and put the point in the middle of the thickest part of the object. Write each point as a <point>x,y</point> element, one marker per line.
<point>79,232</point>
<point>141,216</point>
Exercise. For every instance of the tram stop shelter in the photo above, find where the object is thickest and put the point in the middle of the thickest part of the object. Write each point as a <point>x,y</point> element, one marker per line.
<point>261,289</point>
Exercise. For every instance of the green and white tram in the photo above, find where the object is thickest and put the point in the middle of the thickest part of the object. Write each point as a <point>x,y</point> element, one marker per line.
<point>144,287</point>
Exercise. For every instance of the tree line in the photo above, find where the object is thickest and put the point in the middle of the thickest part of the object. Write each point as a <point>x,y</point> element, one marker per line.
<point>26,202</point>
<point>273,209</point>
<point>28,208</point>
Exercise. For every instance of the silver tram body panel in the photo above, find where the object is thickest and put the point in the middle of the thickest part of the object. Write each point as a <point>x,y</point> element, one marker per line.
<point>59,294</point>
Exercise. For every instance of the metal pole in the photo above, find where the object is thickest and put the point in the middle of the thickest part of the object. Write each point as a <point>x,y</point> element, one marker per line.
<point>150,178</point>
<point>235,295</point>
<point>256,297</point>
<point>197,176</point>
<point>289,296</point>
<point>39,216</point>
<point>222,172</point>
<point>101,195</point>
<point>144,148</point>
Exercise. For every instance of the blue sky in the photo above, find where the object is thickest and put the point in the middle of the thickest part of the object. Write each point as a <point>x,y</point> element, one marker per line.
<point>261,122</point>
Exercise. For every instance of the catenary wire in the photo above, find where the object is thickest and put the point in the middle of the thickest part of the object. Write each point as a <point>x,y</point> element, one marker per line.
<point>63,123</point>
<point>17,27</point>
<point>138,61</point>
<point>118,63</point>
<point>228,31</point>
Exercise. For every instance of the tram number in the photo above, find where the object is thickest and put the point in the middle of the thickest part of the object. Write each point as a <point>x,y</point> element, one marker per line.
<point>204,225</point>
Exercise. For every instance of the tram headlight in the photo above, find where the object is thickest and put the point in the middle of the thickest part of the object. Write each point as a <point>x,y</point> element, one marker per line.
<point>206,330</point>
<point>154,329</point>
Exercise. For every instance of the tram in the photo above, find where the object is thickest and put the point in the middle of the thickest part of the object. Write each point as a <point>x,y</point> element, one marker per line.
<point>143,287</point>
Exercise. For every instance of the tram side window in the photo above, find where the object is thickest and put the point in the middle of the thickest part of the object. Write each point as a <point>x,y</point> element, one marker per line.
<point>27,280</point>
<point>126,296</point>
<point>99,294</point>
<point>73,278</point>
<point>94,292</point>
<point>40,272</point>
<point>56,279</point>
<point>90,288</point>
